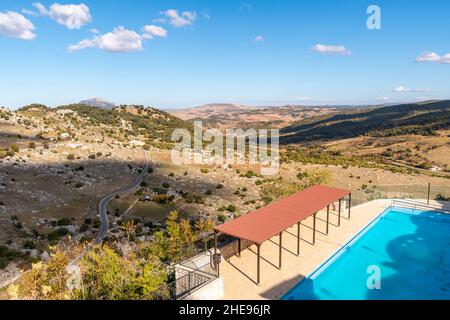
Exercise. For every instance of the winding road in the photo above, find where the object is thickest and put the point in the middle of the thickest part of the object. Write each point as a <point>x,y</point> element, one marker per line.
<point>103,206</point>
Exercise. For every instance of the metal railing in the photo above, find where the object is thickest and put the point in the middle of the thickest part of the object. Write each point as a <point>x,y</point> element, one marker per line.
<point>368,193</point>
<point>188,283</point>
<point>417,206</point>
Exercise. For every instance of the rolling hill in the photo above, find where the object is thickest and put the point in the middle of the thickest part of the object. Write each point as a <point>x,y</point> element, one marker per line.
<point>126,121</point>
<point>415,118</point>
<point>225,116</point>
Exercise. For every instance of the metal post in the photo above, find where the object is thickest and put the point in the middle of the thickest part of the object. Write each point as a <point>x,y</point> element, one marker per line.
<point>281,249</point>
<point>429,191</point>
<point>339,212</point>
<point>298,238</point>
<point>189,284</point>
<point>328,217</point>
<point>215,242</point>
<point>258,278</point>
<point>349,204</point>
<point>314,228</point>
<point>216,265</point>
<point>239,247</point>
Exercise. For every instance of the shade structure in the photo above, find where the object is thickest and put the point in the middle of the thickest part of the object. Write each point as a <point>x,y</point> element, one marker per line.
<point>265,223</point>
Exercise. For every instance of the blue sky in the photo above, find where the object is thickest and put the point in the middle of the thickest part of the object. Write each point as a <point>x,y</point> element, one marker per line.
<point>262,52</point>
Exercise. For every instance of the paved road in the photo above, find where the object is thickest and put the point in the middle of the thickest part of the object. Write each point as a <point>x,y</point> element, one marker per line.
<point>103,205</point>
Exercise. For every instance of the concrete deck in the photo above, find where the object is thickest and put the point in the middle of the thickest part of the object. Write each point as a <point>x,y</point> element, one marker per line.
<point>239,273</point>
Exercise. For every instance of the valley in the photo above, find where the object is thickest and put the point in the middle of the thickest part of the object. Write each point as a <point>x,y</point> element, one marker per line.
<point>56,165</point>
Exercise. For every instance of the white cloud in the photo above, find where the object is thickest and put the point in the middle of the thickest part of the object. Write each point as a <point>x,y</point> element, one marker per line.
<point>259,39</point>
<point>177,20</point>
<point>383,98</point>
<point>94,31</point>
<point>433,57</point>
<point>445,58</point>
<point>206,15</point>
<point>403,89</point>
<point>73,16</point>
<point>151,31</point>
<point>302,98</point>
<point>428,57</point>
<point>331,49</point>
<point>119,40</point>
<point>41,8</point>
<point>30,12</point>
<point>15,25</point>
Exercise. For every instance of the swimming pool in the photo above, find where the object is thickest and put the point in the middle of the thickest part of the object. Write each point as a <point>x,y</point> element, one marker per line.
<point>401,255</point>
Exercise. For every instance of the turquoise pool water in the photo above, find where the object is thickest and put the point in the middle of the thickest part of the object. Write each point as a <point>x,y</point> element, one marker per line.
<point>408,252</point>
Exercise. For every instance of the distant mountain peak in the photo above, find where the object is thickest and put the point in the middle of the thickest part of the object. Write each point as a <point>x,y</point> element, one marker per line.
<point>99,103</point>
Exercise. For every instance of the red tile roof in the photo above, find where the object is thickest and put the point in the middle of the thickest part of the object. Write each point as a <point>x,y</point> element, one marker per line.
<point>265,223</point>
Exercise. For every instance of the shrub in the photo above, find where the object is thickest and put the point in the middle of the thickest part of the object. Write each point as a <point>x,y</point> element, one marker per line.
<point>63,222</point>
<point>92,157</point>
<point>250,174</point>
<point>208,192</point>
<point>231,208</point>
<point>96,223</point>
<point>79,185</point>
<point>204,170</point>
<point>159,190</point>
<point>193,198</point>
<point>14,148</point>
<point>163,198</point>
<point>57,234</point>
<point>302,175</point>
<point>166,185</point>
<point>29,244</point>
<point>32,145</point>
<point>7,255</point>
<point>222,218</point>
<point>219,186</point>
<point>71,157</point>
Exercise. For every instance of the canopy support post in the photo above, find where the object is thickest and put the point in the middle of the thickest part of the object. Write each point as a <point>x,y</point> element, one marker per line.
<point>339,212</point>
<point>281,249</point>
<point>314,228</point>
<point>239,248</point>
<point>298,239</point>
<point>258,273</point>
<point>328,218</point>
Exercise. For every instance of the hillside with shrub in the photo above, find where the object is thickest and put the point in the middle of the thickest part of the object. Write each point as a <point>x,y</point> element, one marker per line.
<point>416,118</point>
